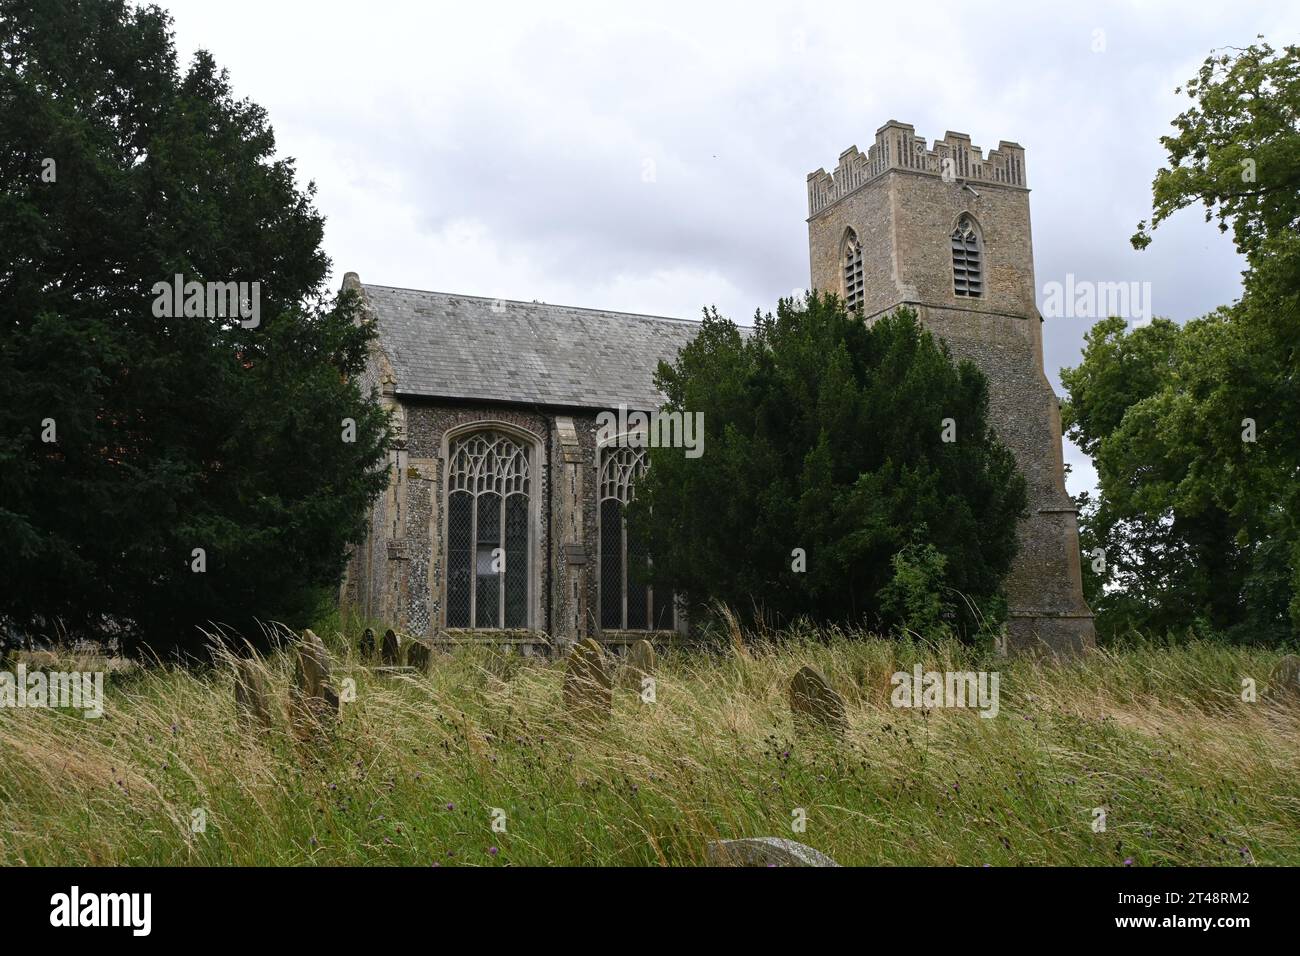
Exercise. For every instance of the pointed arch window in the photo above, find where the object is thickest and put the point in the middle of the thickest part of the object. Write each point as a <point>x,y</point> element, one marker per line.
<point>851,264</point>
<point>489,531</point>
<point>967,264</point>
<point>625,602</point>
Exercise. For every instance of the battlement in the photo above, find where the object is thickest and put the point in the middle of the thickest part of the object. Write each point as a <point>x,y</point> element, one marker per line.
<point>898,147</point>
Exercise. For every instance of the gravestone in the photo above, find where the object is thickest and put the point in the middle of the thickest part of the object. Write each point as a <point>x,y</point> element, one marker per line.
<point>765,851</point>
<point>390,650</point>
<point>815,702</point>
<point>313,701</point>
<point>367,643</point>
<point>313,666</point>
<point>639,663</point>
<point>1285,677</point>
<point>252,698</point>
<point>588,686</point>
<point>418,655</point>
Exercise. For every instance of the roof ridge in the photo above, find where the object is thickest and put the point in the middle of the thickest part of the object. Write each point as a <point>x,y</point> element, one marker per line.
<point>553,305</point>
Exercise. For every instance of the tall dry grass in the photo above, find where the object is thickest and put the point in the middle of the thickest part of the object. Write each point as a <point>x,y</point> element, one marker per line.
<point>1187,772</point>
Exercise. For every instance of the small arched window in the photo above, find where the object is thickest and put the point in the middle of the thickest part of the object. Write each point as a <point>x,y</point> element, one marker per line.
<point>851,264</point>
<point>967,269</point>
<point>489,551</point>
<point>625,602</point>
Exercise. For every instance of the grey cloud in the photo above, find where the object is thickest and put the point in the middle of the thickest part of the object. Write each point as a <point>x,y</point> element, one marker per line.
<point>535,121</point>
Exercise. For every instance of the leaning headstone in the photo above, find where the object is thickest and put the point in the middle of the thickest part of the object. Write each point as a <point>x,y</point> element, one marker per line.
<point>390,649</point>
<point>814,701</point>
<point>367,643</point>
<point>417,655</point>
<point>765,851</point>
<point>638,664</point>
<point>1285,677</point>
<point>252,698</point>
<point>588,685</point>
<point>313,701</point>
<point>36,660</point>
<point>313,666</point>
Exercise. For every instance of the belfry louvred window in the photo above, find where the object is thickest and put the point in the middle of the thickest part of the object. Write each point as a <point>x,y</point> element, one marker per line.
<point>626,603</point>
<point>967,274</point>
<point>488,532</point>
<point>851,262</point>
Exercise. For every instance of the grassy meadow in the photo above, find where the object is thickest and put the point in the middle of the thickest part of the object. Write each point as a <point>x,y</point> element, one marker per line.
<point>1187,772</point>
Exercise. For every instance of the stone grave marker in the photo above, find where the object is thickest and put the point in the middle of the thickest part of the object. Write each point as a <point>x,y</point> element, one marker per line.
<point>588,685</point>
<point>638,663</point>
<point>252,697</point>
<point>313,701</point>
<point>418,655</point>
<point>390,649</point>
<point>765,851</point>
<point>815,702</point>
<point>1284,680</point>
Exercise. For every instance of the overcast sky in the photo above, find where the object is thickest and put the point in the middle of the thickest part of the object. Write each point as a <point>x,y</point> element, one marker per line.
<point>652,157</point>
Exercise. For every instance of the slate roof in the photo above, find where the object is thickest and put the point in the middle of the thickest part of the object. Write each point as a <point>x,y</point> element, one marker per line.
<point>466,347</point>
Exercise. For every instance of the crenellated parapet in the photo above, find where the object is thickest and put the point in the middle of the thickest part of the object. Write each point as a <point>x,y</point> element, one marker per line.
<point>898,147</point>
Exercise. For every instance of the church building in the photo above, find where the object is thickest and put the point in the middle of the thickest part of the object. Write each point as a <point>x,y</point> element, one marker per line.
<point>502,521</point>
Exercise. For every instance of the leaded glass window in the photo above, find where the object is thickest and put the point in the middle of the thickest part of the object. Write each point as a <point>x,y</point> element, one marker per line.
<point>967,277</point>
<point>625,602</point>
<point>488,530</point>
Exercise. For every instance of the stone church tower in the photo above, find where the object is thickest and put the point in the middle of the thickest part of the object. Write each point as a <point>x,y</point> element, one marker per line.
<point>945,231</point>
<point>503,518</point>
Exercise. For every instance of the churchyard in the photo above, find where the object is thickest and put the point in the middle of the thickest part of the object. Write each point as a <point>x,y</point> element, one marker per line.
<point>373,749</point>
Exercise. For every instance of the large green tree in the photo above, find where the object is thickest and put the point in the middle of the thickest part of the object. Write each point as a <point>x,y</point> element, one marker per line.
<point>1195,430</point>
<point>129,438</point>
<point>1189,516</point>
<point>827,435</point>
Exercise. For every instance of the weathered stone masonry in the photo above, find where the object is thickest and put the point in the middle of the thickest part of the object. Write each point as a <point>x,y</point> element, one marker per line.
<point>450,366</point>
<point>398,574</point>
<point>903,200</point>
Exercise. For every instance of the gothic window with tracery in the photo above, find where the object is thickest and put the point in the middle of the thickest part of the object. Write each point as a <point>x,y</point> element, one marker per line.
<point>851,262</point>
<point>967,277</point>
<point>625,602</point>
<point>489,556</point>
